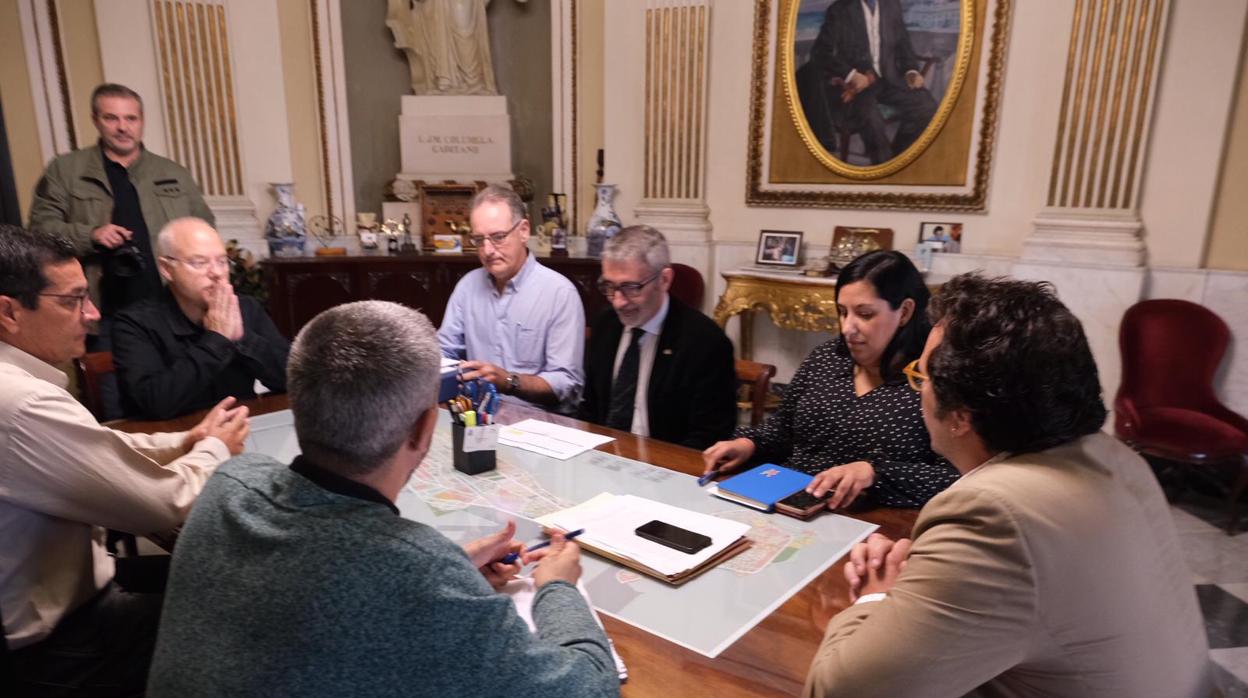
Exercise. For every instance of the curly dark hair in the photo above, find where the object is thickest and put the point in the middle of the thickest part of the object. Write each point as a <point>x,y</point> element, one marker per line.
<point>895,279</point>
<point>1017,359</point>
<point>23,255</point>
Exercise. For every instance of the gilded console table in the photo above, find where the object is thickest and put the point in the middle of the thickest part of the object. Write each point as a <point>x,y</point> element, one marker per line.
<point>794,302</point>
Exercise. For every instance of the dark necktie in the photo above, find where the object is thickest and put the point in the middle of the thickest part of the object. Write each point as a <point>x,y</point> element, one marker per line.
<point>624,388</point>
<point>870,5</point>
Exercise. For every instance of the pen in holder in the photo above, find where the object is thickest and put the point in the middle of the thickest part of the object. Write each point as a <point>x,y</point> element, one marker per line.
<point>473,450</point>
<point>474,435</point>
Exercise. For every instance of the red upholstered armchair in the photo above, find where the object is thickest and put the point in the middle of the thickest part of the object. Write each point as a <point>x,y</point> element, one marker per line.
<point>687,285</point>
<point>1166,406</point>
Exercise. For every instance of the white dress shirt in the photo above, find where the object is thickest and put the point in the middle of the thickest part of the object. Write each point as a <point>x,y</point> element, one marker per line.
<point>649,344</point>
<point>63,479</point>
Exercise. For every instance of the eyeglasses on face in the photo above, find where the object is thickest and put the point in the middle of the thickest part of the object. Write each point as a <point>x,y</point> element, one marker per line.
<point>202,263</point>
<point>495,238</point>
<point>71,301</point>
<point>630,289</point>
<point>914,376</point>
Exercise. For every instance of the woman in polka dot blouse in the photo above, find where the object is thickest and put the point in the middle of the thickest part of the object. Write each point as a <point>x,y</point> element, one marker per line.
<point>848,416</point>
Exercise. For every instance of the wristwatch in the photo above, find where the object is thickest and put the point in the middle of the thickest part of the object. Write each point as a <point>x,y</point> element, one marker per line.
<point>513,382</point>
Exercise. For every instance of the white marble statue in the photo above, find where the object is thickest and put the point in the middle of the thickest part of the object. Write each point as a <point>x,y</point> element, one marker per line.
<point>447,43</point>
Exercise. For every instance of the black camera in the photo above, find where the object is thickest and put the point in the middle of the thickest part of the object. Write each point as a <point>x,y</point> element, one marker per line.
<point>125,261</point>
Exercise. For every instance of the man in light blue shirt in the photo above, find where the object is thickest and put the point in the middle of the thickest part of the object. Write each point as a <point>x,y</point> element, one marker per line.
<point>513,322</point>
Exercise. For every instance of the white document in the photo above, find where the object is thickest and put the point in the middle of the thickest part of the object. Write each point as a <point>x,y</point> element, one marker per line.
<point>523,590</point>
<point>449,365</point>
<point>550,440</point>
<point>611,521</point>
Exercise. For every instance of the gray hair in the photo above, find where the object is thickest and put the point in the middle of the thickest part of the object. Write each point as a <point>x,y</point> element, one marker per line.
<point>112,89</point>
<point>639,243</point>
<point>164,239</point>
<point>360,376</point>
<point>499,194</point>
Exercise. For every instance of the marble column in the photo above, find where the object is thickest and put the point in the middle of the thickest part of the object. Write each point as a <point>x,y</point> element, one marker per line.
<point>673,197</point>
<point>1087,239</point>
<point>1092,213</point>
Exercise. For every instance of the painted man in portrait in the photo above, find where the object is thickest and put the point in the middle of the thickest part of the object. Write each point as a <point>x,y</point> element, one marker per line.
<point>862,61</point>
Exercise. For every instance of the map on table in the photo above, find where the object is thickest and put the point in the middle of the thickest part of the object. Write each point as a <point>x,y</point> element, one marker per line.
<point>706,614</point>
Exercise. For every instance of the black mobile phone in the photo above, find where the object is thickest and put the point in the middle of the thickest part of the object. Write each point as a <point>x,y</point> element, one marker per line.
<point>673,536</point>
<point>802,504</point>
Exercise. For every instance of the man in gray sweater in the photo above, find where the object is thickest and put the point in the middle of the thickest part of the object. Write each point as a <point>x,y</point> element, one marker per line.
<point>304,580</point>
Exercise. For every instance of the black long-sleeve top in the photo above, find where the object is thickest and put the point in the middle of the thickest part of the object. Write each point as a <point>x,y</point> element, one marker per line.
<point>168,366</point>
<point>822,423</point>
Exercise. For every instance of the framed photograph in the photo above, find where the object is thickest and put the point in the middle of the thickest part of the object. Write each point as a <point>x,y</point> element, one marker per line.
<point>941,237</point>
<point>911,126</point>
<point>780,248</point>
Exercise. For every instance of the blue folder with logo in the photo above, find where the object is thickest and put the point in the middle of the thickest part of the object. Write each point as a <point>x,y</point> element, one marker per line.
<point>763,486</point>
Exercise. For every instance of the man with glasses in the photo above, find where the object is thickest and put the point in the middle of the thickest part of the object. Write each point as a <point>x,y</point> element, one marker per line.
<point>514,322</point>
<point>1052,566</point>
<point>655,366</point>
<point>196,342</point>
<point>63,478</point>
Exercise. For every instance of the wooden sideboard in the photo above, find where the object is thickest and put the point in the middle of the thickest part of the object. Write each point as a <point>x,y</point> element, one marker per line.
<point>301,287</point>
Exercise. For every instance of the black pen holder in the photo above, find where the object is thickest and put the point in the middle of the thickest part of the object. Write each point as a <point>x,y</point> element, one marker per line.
<point>469,462</point>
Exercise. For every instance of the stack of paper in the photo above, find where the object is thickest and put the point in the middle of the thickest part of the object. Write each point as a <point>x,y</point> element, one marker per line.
<point>611,522</point>
<point>549,439</point>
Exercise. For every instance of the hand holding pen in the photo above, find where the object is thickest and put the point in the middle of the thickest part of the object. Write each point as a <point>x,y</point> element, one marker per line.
<point>513,556</point>
<point>725,456</point>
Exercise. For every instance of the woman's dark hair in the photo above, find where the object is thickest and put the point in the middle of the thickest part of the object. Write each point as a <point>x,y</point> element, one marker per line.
<point>895,279</point>
<point>1017,359</point>
<point>23,255</point>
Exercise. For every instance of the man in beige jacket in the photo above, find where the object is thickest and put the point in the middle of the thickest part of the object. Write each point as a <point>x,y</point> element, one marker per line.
<point>1051,568</point>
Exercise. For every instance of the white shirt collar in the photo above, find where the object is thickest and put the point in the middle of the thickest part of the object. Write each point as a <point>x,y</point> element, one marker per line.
<point>33,365</point>
<point>995,459</point>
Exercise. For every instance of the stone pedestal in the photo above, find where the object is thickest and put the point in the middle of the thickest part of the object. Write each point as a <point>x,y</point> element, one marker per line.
<point>463,139</point>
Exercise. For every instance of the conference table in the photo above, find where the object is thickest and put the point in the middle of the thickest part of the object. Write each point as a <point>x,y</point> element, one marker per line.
<point>770,659</point>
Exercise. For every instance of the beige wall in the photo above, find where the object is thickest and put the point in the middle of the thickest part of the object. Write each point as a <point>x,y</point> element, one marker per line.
<point>1193,99</point>
<point>589,89</point>
<point>303,106</point>
<point>83,68</point>
<point>1228,239</point>
<point>19,108</point>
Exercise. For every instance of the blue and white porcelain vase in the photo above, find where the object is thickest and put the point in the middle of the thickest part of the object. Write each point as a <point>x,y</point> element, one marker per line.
<point>604,223</point>
<point>286,229</point>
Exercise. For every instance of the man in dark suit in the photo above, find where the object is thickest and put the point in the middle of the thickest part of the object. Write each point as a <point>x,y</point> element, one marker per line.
<point>862,59</point>
<point>672,375</point>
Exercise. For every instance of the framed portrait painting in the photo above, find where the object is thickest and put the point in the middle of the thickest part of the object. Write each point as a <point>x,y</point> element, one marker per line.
<point>875,103</point>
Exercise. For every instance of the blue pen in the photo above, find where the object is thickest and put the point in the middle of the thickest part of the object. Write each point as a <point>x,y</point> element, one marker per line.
<point>707,478</point>
<point>512,557</point>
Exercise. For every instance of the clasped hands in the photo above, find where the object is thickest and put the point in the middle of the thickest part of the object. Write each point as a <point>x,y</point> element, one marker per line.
<point>860,81</point>
<point>227,421</point>
<point>845,482</point>
<point>875,564</point>
<point>560,561</point>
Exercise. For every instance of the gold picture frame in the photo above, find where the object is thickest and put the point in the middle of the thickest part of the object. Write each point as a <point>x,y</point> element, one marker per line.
<point>945,167</point>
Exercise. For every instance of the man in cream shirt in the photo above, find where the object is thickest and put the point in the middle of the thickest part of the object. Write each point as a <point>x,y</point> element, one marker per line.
<point>65,478</point>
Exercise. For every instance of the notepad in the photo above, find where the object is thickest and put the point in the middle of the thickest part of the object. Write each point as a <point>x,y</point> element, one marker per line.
<point>611,521</point>
<point>763,486</point>
<point>550,440</point>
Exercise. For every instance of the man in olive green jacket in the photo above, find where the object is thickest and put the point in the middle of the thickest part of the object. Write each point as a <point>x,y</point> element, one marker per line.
<point>111,199</point>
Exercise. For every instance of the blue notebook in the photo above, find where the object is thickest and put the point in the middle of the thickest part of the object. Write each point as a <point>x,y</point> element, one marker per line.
<point>763,486</point>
